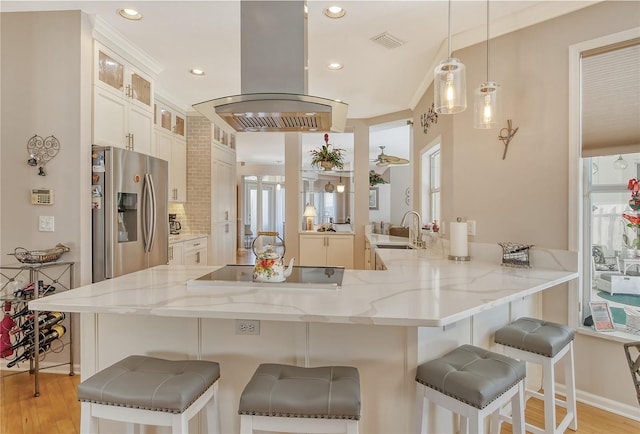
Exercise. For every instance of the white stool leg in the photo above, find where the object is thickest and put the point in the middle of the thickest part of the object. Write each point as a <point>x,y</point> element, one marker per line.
<point>475,424</point>
<point>179,424</point>
<point>569,378</point>
<point>213,413</point>
<point>549,385</point>
<point>352,427</point>
<point>496,422</point>
<point>246,424</point>
<point>424,415</point>
<point>132,428</point>
<point>517,411</point>
<point>88,423</point>
<point>464,425</point>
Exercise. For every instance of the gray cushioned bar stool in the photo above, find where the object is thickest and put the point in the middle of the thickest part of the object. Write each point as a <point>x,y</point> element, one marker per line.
<point>285,398</point>
<point>151,391</point>
<point>473,383</point>
<point>544,343</point>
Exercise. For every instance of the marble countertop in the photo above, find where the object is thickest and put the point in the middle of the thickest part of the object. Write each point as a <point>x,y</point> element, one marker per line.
<point>185,237</point>
<point>417,289</point>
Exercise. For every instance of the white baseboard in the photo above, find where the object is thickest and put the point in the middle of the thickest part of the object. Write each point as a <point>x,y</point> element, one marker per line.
<point>615,407</point>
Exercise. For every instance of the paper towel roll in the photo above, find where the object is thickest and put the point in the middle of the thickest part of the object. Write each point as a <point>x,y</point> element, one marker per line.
<point>458,239</point>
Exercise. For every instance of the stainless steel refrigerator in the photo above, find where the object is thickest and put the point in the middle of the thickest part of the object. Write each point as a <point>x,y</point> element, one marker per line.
<point>130,212</point>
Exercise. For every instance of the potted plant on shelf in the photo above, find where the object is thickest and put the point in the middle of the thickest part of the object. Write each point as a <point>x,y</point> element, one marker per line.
<point>326,157</point>
<point>375,179</point>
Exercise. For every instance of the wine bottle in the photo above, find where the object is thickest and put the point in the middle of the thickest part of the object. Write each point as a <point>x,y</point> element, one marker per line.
<point>45,336</point>
<point>21,312</point>
<point>45,320</point>
<point>27,340</point>
<point>26,354</point>
<point>55,332</point>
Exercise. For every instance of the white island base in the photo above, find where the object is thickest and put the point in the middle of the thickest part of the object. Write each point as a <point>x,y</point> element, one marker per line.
<point>386,356</point>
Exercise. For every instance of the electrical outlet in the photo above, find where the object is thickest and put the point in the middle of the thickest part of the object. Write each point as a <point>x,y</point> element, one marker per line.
<point>471,227</point>
<point>247,327</point>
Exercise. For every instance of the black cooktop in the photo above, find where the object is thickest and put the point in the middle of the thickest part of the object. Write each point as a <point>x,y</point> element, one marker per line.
<point>301,277</point>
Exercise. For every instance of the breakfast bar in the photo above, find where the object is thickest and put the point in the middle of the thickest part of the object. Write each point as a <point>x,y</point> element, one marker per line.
<point>384,323</point>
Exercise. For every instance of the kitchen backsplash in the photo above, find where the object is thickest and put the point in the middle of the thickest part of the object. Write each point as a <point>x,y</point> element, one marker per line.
<point>195,214</point>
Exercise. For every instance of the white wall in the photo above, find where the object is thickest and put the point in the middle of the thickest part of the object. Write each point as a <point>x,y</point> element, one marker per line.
<point>45,86</point>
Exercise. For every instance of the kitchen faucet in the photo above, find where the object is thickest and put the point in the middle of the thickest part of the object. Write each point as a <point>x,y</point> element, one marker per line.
<point>417,235</point>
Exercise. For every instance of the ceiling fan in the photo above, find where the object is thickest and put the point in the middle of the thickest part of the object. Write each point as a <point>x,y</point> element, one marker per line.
<point>384,159</point>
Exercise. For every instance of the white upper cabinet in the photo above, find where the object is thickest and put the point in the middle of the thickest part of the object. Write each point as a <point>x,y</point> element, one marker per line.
<point>122,103</point>
<point>171,145</point>
<point>170,119</point>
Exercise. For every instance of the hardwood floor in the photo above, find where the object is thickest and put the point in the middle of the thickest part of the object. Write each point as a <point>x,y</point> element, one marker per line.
<point>57,410</point>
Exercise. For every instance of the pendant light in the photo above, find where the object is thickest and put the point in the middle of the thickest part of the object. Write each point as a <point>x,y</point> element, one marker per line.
<point>487,101</point>
<point>340,186</point>
<point>620,163</point>
<point>450,82</point>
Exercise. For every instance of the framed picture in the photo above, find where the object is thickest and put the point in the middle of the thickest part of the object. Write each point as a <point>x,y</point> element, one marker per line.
<point>373,198</point>
<point>601,314</point>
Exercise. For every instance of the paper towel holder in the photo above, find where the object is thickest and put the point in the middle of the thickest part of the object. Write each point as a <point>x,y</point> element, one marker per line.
<point>458,258</point>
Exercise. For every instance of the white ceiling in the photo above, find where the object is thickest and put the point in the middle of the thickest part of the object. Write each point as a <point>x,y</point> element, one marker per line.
<point>375,80</point>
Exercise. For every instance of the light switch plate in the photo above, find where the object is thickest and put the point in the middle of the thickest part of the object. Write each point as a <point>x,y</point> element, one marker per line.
<point>46,223</point>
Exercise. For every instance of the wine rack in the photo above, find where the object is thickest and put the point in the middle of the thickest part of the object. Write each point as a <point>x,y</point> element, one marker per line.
<point>30,335</point>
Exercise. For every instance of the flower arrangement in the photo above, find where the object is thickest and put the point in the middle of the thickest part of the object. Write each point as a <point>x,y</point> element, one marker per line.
<point>326,157</point>
<point>375,179</point>
<point>633,219</point>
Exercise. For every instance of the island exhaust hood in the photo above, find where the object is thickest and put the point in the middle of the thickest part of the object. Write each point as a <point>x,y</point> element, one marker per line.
<point>273,80</point>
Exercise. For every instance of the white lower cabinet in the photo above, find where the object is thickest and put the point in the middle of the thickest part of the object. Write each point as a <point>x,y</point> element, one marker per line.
<point>224,238</point>
<point>195,253</point>
<point>189,252</point>
<point>326,250</point>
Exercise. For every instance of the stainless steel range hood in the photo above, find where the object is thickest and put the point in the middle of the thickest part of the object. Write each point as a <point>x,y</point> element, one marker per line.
<point>273,78</point>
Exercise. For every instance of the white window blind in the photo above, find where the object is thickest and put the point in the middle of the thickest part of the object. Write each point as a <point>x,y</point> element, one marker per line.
<point>611,99</point>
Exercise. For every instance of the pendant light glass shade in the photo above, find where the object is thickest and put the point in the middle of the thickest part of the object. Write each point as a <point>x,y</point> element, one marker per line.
<point>340,186</point>
<point>450,87</point>
<point>620,163</point>
<point>487,98</point>
<point>487,106</point>
<point>450,82</point>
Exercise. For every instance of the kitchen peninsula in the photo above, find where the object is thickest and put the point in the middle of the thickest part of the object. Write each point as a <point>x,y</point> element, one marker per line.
<point>383,322</point>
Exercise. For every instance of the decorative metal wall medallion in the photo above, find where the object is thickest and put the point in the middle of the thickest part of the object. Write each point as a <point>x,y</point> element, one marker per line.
<point>428,118</point>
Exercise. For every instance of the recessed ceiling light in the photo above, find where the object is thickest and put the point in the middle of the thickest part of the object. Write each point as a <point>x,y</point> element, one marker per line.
<point>130,14</point>
<point>196,71</point>
<point>335,66</point>
<point>334,12</point>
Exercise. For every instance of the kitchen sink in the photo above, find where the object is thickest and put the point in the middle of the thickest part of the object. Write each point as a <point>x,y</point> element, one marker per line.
<point>394,246</point>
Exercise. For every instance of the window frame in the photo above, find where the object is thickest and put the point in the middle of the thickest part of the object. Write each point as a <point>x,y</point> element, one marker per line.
<point>428,191</point>
<point>578,178</point>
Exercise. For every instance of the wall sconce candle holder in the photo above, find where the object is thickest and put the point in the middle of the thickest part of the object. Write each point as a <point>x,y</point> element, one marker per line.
<point>41,151</point>
<point>428,118</point>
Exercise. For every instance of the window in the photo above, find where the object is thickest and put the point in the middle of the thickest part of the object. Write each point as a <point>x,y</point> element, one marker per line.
<point>607,239</point>
<point>605,138</point>
<point>431,184</point>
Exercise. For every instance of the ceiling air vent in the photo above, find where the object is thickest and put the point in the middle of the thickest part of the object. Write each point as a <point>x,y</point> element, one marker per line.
<point>387,40</point>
